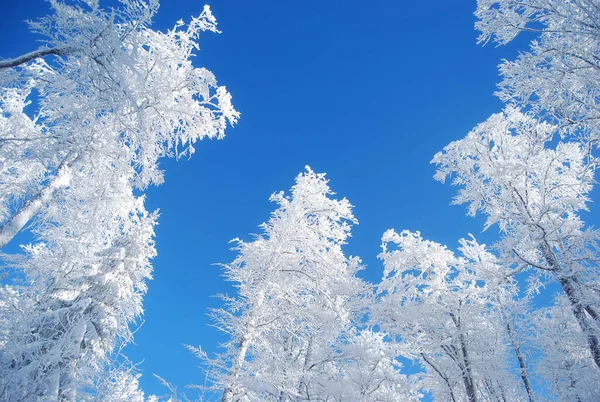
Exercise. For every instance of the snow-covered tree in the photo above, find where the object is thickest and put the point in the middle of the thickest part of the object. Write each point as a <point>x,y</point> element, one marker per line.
<point>441,315</point>
<point>292,328</point>
<point>112,97</point>
<point>86,286</point>
<point>109,90</point>
<point>558,77</point>
<point>562,365</point>
<point>510,169</point>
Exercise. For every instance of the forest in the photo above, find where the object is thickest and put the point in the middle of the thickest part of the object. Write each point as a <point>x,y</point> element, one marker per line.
<point>90,118</point>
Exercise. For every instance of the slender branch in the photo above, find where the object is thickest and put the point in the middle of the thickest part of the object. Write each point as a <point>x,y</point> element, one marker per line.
<point>36,54</point>
<point>528,262</point>
<point>443,376</point>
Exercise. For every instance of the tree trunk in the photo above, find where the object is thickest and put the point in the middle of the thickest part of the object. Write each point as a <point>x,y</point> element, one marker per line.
<point>524,373</point>
<point>579,313</point>
<point>228,392</point>
<point>16,222</point>
<point>522,365</point>
<point>570,287</point>
<point>240,357</point>
<point>467,373</point>
<point>305,366</point>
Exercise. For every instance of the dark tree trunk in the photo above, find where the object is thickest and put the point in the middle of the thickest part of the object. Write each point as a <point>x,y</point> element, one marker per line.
<point>571,288</point>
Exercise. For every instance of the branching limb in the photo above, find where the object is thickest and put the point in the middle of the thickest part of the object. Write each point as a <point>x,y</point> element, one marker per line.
<point>36,54</point>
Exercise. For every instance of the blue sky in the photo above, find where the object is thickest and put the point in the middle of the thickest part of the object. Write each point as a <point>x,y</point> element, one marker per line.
<point>367,92</point>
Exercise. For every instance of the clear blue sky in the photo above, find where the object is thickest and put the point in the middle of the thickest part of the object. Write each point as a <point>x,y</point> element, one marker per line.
<point>365,91</point>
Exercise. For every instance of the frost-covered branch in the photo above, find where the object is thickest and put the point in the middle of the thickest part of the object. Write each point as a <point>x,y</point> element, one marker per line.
<point>36,54</point>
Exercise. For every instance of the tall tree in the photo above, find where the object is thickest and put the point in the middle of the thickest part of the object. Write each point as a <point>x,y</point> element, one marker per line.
<point>292,327</point>
<point>112,97</point>
<point>439,313</point>
<point>507,169</point>
<point>109,89</point>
